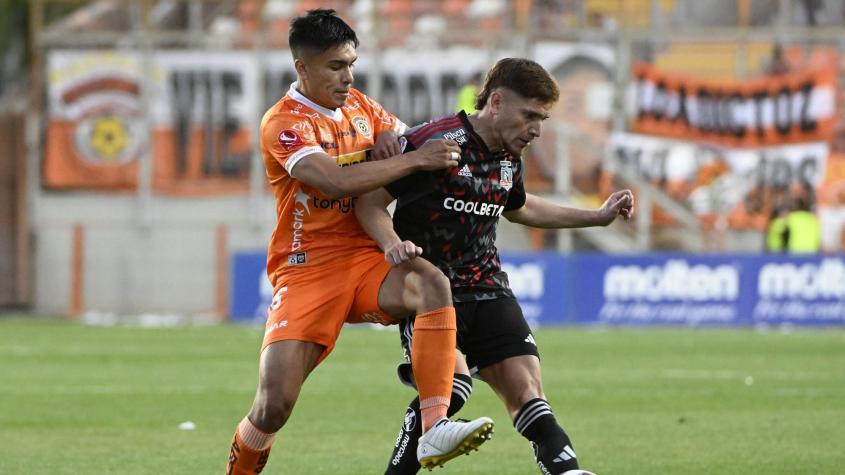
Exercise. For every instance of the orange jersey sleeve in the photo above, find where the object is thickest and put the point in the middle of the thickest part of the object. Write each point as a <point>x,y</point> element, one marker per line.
<point>286,138</point>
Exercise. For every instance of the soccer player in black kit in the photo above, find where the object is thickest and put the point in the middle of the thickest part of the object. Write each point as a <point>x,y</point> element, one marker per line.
<point>449,217</point>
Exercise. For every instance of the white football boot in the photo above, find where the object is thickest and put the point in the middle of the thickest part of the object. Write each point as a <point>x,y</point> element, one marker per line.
<point>577,472</point>
<point>448,439</point>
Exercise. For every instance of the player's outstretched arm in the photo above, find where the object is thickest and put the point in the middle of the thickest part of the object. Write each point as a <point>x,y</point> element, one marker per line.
<point>371,211</point>
<point>321,172</point>
<point>540,213</point>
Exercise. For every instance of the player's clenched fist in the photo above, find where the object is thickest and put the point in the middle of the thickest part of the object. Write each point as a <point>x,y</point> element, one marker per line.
<point>401,252</point>
<point>438,153</point>
<point>386,146</point>
<point>620,203</point>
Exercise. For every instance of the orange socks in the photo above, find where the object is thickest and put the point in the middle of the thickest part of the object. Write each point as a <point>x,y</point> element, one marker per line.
<point>433,360</point>
<point>250,450</point>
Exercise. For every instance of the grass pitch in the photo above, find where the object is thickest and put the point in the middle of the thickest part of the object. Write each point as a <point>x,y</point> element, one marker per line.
<point>97,400</point>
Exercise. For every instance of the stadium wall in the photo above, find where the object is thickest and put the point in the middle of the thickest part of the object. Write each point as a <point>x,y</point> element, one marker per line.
<point>164,262</point>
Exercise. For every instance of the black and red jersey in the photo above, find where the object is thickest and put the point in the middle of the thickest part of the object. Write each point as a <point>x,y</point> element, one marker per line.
<point>452,214</point>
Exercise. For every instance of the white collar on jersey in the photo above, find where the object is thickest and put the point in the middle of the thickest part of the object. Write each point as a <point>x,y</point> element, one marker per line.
<point>294,94</point>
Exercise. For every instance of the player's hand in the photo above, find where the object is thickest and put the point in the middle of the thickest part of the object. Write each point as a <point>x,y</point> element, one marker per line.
<point>387,145</point>
<point>401,252</point>
<point>436,154</point>
<point>620,203</point>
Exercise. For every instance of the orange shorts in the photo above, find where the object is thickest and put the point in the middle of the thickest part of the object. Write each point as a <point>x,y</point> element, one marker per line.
<point>312,303</point>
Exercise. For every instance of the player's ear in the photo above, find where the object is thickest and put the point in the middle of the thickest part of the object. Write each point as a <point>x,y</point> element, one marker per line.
<point>301,68</point>
<point>496,99</point>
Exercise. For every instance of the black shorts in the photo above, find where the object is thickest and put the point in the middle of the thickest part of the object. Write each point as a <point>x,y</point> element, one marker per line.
<point>489,331</point>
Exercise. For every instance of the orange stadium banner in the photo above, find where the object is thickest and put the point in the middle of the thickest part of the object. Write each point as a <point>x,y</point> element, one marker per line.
<point>92,134</point>
<point>771,110</point>
<point>195,114</point>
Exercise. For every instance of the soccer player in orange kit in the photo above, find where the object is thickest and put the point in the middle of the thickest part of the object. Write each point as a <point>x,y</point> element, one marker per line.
<point>324,268</point>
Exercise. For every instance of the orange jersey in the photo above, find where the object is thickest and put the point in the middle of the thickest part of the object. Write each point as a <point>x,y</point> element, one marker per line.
<point>311,228</point>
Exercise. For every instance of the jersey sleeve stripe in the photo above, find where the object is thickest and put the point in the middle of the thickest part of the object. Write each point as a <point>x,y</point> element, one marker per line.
<point>421,137</point>
<point>422,129</point>
<point>297,156</point>
<point>425,131</point>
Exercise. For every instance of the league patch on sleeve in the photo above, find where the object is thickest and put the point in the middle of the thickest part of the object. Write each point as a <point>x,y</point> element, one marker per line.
<point>290,139</point>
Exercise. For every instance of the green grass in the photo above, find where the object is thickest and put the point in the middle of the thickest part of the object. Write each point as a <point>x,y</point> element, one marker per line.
<point>92,400</point>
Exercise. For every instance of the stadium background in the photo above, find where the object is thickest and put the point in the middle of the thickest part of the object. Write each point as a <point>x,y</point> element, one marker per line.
<point>132,191</point>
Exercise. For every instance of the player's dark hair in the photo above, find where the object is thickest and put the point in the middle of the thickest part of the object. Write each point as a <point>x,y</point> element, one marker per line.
<point>319,30</point>
<point>522,76</point>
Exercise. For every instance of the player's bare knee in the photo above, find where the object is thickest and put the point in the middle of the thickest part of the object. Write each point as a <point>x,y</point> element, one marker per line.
<point>436,290</point>
<point>270,414</point>
<point>272,408</point>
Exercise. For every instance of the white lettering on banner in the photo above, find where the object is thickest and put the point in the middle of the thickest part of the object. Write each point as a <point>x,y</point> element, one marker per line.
<point>745,175</point>
<point>473,207</point>
<point>787,110</point>
<point>688,313</point>
<point>797,311</point>
<point>526,280</point>
<point>796,104</point>
<point>675,280</point>
<point>212,94</point>
<point>802,281</point>
<point>664,159</point>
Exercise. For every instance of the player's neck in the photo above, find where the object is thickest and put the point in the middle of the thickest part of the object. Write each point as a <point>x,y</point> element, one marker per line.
<point>483,126</point>
<point>302,88</point>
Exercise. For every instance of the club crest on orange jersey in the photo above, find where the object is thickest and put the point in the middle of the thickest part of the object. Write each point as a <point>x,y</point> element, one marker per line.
<point>506,174</point>
<point>363,126</point>
<point>289,139</point>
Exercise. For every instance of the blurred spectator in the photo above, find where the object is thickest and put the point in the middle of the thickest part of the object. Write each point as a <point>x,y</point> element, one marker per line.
<point>777,64</point>
<point>13,36</point>
<point>466,96</point>
<point>811,10</point>
<point>776,231</point>
<point>803,233</point>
